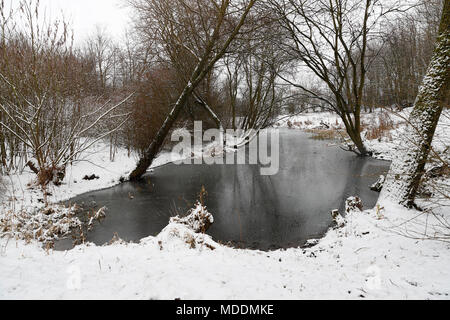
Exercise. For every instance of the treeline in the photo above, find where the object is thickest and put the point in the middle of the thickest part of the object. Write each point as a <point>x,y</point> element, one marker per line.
<point>57,99</point>
<point>400,57</point>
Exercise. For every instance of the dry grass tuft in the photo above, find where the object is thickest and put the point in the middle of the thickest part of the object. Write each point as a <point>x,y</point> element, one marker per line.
<point>326,134</point>
<point>382,129</point>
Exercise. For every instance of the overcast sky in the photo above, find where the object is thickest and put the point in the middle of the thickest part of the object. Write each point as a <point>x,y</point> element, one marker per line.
<point>84,15</point>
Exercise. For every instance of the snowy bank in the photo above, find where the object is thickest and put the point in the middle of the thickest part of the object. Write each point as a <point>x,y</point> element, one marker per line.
<point>30,213</point>
<point>368,258</point>
<point>95,161</point>
<point>381,143</point>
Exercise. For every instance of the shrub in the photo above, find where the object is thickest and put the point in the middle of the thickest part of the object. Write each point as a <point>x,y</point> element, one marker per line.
<point>382,129</point>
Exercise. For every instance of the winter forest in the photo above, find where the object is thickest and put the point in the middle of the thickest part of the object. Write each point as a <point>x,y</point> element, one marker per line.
<point>226,149</point>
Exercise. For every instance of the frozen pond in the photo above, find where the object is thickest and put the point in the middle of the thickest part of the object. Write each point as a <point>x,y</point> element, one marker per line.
<point>250,210</point>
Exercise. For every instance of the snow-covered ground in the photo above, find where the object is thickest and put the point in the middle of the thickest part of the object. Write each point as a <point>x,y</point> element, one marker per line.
<point>378,254</point>
<point>96,160</point>
<point>368,258</point>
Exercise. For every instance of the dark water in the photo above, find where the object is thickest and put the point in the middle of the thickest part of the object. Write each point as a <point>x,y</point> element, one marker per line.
<point>250,210</point>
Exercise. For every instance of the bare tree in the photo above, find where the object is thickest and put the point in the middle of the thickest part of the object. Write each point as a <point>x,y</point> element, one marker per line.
<point>5,18</point>
<point>331,37</point>
<point>253,90</point>
<point>408,167</point>
<point>100,48</point>
<point>44,101</point>
<point>401,56</point>
<point>211,26</point>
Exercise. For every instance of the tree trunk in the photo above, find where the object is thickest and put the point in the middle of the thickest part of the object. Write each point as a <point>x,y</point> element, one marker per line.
<point>146,161</point>
<point>152,151</point>
<point>204,66</point>
<point>408,166</point>
<point>362,150</point>
<point>3,155</point>
<point>210,112</point>
<point>353,131</point>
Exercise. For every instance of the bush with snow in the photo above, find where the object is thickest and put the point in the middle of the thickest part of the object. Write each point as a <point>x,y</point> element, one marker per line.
<point>189,230</point>
<point>198,219</point>
<point>44,225</point>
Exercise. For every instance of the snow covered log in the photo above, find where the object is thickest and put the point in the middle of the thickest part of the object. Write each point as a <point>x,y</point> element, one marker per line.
<point>408,166</point>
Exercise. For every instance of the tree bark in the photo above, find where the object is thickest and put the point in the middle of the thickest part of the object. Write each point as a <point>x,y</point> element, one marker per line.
<point>408,166</point>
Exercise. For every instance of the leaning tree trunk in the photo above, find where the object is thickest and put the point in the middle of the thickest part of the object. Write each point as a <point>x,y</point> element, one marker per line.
<point>204,66</point>
<point>151,152</point>
<point>408,166</point>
